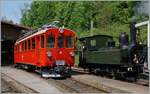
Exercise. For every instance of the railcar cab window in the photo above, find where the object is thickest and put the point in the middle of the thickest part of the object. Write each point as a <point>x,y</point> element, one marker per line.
<point>50,41</point>
<point>60,42</point>
<point>33,43</point>
<point>93,42</point>
<point>69,42</point>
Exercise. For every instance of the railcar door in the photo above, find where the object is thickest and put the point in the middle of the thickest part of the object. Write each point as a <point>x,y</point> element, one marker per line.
<point>41,50</point>
<point>38,50</point>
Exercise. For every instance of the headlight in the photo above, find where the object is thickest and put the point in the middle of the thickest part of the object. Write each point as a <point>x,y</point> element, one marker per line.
<point>129,69</point>
<point>72,53</point>
<point>49,54</point>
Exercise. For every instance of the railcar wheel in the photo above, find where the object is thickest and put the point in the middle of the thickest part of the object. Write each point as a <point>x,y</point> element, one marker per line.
<point>30,68</point>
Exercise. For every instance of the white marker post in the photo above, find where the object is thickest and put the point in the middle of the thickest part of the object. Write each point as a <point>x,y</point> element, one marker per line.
<point>148,44</point>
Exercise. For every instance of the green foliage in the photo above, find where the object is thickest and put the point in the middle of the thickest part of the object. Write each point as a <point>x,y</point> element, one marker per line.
<point>109,18</point>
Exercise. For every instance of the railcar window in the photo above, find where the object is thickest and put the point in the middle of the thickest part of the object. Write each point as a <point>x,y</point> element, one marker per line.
<point>69,42</point>
<point>33,43</point>
<point>18,47</point>
<point>42,41</point>
<point>25,45</point>
<point>50,41</point>
<point>15,48</point>
<point>22,46</point>
<point>60,41</point>
<point>29,44</point>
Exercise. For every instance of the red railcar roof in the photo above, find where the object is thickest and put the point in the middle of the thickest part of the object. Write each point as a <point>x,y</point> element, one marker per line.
<point>37,33</point>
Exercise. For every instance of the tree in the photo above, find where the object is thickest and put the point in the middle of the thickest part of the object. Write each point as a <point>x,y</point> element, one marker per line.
<point>108,18</point>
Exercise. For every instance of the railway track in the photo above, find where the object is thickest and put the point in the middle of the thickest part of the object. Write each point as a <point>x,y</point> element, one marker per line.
<point>71,85</point>
<point>7,88</point>
<point>141,81</point>
<point>77,87</point>
<point>10,85</point>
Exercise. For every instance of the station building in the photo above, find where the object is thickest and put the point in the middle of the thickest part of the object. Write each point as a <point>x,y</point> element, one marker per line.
<point>9,34</point>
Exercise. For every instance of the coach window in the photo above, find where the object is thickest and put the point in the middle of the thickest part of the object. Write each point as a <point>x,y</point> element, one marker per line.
<point>42,41</point>
<point>50,41</point>
<point>29,44</point>
<point>33,43</point>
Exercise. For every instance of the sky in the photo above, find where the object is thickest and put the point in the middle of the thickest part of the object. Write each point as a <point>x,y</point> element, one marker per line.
<point>11,9</point>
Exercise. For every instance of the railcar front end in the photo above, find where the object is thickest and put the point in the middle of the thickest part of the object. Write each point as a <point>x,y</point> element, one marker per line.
<point>59,53</point>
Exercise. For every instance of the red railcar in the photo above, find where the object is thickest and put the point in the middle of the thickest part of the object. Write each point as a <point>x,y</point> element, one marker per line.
<point>50,50</point>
